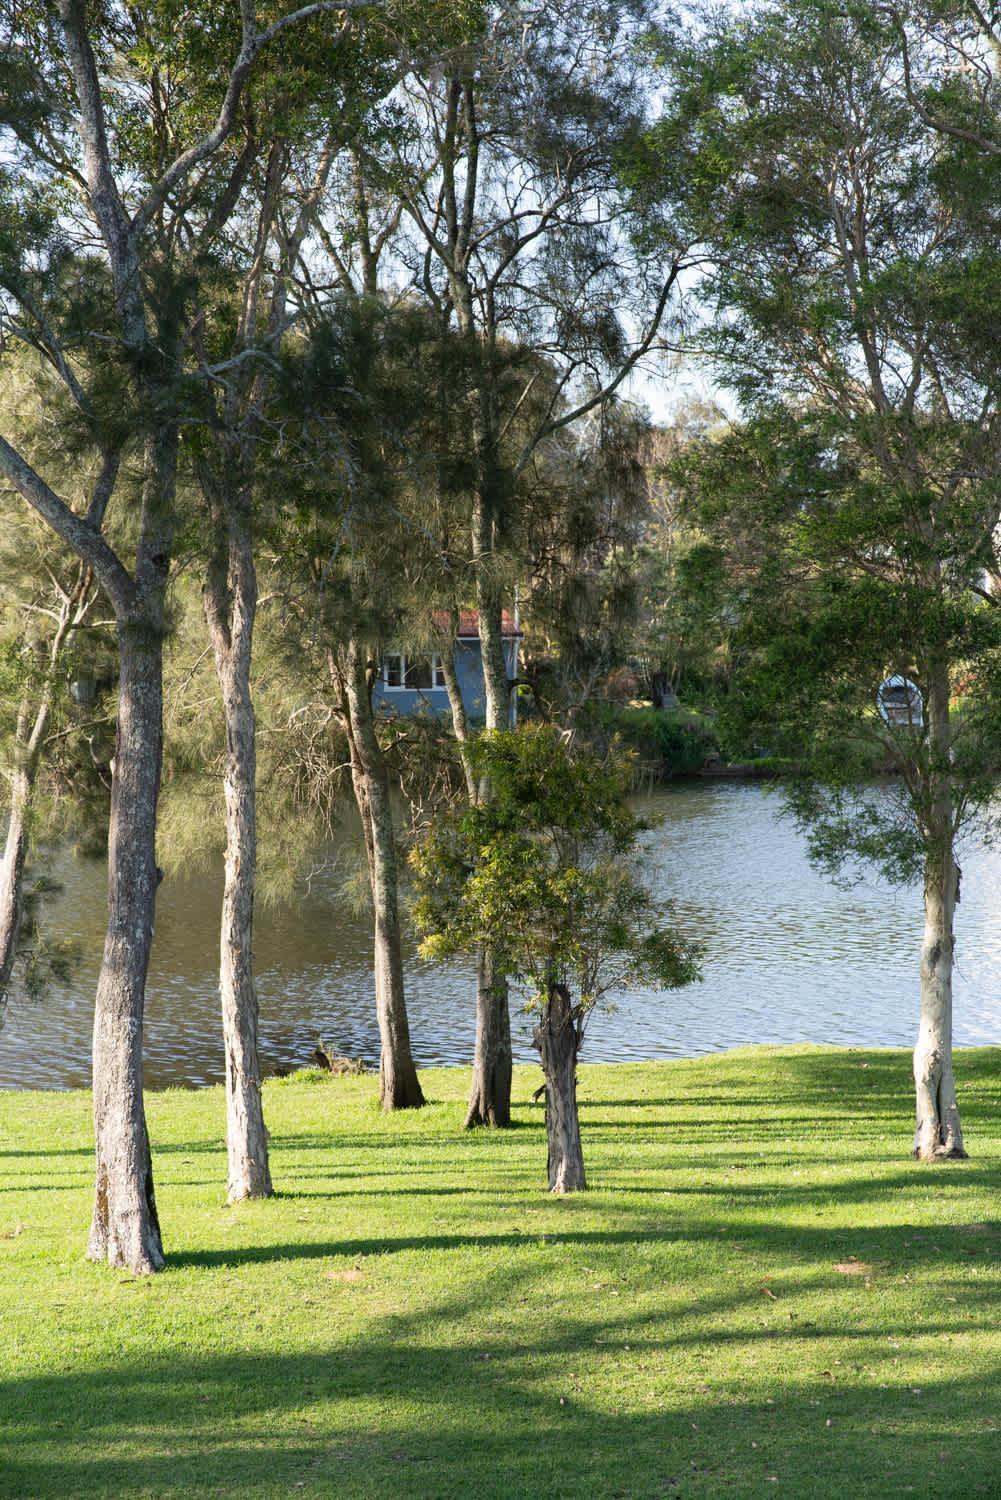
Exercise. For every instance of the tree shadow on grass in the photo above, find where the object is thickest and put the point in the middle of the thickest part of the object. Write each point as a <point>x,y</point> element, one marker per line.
<point>417,1409</point>
<point>895,1244</point>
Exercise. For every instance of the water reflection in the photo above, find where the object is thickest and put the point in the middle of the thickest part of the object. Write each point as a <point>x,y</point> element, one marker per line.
<point>789,958</point>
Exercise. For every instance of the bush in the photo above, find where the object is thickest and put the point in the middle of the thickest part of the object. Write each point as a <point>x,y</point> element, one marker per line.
<point>672,742</point>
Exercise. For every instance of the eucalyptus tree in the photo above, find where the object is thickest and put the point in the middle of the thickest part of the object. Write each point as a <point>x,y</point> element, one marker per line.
<point>285,181</point>
<point>519,232</point>
<point>380,349</point>
<point>307,110</point>
<point>112,159</point>
<point>859,504</point>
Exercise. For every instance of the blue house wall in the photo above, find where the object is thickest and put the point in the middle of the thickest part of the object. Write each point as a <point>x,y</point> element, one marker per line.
<point>468,669</point>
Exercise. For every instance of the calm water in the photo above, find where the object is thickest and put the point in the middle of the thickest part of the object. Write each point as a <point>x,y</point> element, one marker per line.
<point>789,958</point>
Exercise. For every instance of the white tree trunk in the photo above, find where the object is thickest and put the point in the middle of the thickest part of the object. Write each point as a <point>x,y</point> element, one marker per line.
<point>938,1132</point>
<point>230,599</point>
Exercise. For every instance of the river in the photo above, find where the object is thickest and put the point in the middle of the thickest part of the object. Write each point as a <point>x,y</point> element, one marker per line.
<point>789,958</point>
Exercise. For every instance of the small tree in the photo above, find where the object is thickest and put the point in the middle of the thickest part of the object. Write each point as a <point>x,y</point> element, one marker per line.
<point>543,874</point>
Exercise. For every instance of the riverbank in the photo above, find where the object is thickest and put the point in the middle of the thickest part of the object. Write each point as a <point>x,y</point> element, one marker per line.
<point>761,1293</point>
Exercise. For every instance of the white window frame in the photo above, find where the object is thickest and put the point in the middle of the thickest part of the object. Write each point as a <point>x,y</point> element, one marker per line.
<point>437,675</point>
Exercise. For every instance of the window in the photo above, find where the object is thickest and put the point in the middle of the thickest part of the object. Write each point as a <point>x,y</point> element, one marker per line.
<point>420,673</point>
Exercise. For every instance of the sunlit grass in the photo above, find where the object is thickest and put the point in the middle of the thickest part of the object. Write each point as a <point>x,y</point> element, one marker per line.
<point>760,1292</point>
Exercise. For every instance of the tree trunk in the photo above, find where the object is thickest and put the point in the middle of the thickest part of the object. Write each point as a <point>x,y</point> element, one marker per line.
<point>125,1229</point>
<point>490,1092</point>
<point>230,599</point>
<point>490,1095</point>
<point>12,877</point>
<point>460,725</point>
<point>557,1039</point>
<point>28,742</point>
<point>938,1133</point>
<point>488,602</point>
<point>399,1087</point>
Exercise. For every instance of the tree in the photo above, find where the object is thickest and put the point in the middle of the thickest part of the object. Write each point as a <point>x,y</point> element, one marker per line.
<point>47,599</point>
<point>344,568</point>
<point>858,504</point>
<point>39,622</point>
<point>93,119</point>
<point>542,873</point>
<point>676,629</point>
<point>226,461</point>
<point>521,236</point>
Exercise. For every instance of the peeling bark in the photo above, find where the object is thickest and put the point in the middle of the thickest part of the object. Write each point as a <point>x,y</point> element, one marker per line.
<point>558,1040</point>
<point>938,1133</point>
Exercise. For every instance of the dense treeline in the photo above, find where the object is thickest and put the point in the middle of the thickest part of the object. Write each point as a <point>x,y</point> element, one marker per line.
<point>318,326</point>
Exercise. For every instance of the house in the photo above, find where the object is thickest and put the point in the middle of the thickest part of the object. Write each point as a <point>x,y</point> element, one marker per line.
<point>413,681</point>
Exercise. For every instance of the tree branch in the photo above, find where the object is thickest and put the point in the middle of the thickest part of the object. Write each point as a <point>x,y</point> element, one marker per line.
<point>75,531</point>
<point>549,426</point>
<point>252,43</point>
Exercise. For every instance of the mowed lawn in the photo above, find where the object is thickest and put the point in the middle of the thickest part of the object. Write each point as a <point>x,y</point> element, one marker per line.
<point>761,1293</point>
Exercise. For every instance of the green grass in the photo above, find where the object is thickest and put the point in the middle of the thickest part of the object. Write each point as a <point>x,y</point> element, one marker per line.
<point>415,1317</point>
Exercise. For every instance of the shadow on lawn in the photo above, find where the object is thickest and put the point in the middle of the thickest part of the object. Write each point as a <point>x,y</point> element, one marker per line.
<point>888,1246</point>
<point>459,1400</point>
<point>883,1075</point>
<point>416,1409</point>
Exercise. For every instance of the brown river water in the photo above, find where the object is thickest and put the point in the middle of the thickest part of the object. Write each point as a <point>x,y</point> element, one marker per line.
<point>789,958</point>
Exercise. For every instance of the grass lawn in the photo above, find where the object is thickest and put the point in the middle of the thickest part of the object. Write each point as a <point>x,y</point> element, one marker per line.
<point>760,1294</point>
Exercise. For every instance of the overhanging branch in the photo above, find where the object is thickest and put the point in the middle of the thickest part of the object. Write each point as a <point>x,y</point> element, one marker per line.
<point>77,533</point>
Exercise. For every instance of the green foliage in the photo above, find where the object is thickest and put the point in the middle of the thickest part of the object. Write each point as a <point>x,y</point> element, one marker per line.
<point>541,874</point>
<point>672,742</point>
<point>855,502</point>
<point>840,582</point>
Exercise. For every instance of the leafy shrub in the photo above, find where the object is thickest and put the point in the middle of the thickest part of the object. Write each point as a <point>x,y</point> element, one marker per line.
<point>675,742</point>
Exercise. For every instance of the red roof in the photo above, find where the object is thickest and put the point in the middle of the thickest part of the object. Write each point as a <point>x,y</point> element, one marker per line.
<point>469,624</point>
